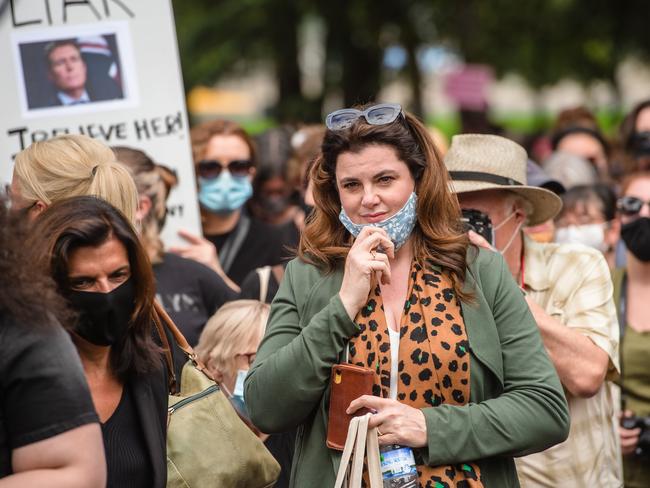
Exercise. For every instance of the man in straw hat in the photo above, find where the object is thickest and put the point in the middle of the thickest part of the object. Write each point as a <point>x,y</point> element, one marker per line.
<point>569,291</point>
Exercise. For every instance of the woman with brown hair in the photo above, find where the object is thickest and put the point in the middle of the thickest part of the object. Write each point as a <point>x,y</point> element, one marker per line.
<point>99,265</point>
<point>632,293</point>
<point>235,243</point>
<point>386,280</point>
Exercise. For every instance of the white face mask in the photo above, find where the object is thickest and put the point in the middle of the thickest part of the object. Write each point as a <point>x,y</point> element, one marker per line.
<point>512,237</point>
<point>592,235</point>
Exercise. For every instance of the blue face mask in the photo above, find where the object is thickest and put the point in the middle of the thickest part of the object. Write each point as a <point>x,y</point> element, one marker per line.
<point>238,393</point>
<point>225,193</point>
<point>398,226</point>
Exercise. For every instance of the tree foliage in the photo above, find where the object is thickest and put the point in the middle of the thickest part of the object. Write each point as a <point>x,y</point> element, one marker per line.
<point>543,40</point>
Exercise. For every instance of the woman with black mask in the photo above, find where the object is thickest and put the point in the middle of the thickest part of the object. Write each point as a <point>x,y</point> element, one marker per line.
<point>632,293</point>
<point>99,265</point>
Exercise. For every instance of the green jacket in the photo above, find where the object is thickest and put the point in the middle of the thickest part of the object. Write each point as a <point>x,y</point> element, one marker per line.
<point>517,405</point>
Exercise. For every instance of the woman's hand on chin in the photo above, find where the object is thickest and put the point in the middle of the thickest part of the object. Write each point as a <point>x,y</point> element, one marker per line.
<point>363,260</point>
<point>396,422</point>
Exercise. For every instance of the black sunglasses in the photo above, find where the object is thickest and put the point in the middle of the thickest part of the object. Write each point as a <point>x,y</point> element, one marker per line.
<point>211,168</point>
<point>630,205</point>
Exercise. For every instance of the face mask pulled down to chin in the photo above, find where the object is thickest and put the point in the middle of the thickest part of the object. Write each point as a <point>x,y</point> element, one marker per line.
<point>398,227</point>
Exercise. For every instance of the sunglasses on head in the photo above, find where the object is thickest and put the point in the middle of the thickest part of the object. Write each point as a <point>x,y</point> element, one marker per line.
<point>210,168</point>
<point>630,205</point>
<point>380,114</point>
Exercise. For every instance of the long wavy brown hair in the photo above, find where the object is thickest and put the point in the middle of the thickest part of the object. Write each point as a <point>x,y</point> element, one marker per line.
<point>438,234</point>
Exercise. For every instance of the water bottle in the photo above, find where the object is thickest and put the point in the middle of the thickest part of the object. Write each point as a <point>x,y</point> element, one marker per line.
<point>398,468</point>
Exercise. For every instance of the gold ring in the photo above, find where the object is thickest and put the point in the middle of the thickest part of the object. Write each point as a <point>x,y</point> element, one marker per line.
<point>379,432</point>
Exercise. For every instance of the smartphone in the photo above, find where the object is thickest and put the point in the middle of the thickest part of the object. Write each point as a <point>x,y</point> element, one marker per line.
<point>348,382</point>
<point>478,222</point>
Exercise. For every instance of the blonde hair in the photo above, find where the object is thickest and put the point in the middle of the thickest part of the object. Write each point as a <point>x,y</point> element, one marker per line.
<point>75,165</point>
<point>236,326</point>
<point>155,182</point>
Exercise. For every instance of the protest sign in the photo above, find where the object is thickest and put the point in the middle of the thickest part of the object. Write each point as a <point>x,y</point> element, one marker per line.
<point>124,56</point>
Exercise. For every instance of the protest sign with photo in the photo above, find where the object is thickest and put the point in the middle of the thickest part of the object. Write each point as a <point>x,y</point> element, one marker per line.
<point>108,69</point>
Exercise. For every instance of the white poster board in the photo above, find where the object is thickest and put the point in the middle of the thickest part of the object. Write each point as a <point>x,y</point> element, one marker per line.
<point>134,93</point>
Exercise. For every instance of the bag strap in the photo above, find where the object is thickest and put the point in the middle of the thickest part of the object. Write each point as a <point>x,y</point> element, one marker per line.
<point>347,452</point>
<point>356,473</point>
<point>171,374</point>
<point>278,272</point>
<point>359,440</point>
<point>233,243</point>
<point>374,464</point>
<point>264,274</point>
<point>162,320</point>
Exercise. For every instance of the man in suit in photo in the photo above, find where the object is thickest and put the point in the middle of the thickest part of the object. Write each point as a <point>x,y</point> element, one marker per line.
<point>68,73</point>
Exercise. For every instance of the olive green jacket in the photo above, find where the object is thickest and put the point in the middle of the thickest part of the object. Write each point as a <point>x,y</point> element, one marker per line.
<point>517,405</point>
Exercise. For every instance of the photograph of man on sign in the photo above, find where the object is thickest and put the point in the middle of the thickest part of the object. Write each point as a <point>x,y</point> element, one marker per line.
<point>71,71</point>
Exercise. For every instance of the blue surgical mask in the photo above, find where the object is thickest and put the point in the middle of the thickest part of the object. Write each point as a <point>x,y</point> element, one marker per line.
<point>398,227</point>
<point>238,393</point>
<point>224,194</point>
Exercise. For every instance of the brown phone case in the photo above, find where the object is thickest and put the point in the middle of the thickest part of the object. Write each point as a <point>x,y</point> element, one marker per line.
<point>347,382</point>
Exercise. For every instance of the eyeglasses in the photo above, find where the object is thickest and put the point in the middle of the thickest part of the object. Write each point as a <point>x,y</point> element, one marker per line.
<point>630,205</point>
<point>381,114</point>
<point>211,168</point>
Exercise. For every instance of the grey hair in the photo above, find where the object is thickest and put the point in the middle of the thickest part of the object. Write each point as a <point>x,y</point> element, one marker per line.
<point>513,199</point>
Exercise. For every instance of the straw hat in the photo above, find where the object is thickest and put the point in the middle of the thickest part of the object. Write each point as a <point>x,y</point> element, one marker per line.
<point>484,162</point>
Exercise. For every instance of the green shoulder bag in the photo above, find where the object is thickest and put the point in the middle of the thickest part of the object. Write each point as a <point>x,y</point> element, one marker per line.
<point>208,445</point>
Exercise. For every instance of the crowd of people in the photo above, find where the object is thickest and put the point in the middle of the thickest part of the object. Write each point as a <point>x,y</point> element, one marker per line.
<point>493,288</point>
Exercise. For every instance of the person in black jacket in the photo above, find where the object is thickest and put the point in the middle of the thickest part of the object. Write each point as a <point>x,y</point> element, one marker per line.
<point>99,265</point>
<point>59,446</point>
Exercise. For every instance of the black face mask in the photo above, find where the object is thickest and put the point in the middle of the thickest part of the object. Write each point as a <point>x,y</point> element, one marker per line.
<point>636,236</point>
<point>274,205</point>
<point>104,317</point>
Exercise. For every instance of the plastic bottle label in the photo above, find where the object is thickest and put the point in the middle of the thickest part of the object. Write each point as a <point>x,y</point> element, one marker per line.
<point>398,467</point>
